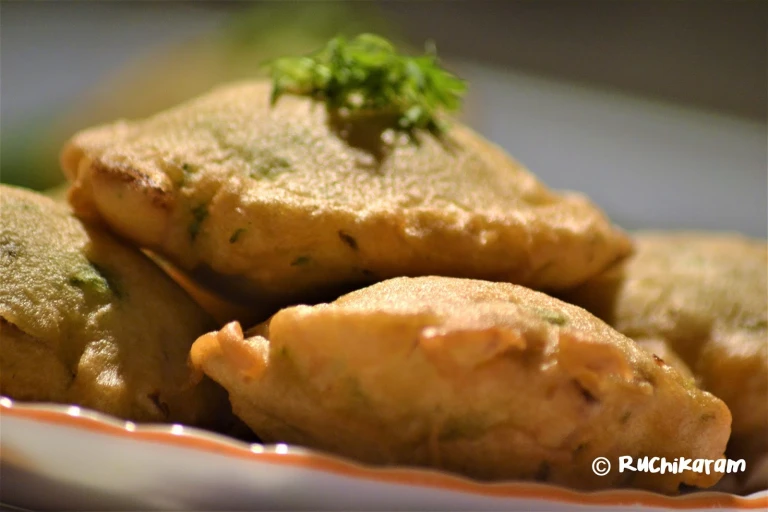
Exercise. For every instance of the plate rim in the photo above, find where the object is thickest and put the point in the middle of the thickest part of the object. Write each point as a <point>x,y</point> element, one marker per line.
<point>80,418</point>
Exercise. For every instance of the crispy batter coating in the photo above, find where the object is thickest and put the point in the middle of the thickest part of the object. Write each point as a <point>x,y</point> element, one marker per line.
<point>288,203</point>
<point>86,320</point>
<point>491,380</point>
<point>706,296</point>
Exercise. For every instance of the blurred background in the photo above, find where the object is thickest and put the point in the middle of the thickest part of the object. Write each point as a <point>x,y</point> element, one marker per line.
<point>657,110</point>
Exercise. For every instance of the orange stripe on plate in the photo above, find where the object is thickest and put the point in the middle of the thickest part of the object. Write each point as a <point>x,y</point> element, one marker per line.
<point>411,477</point>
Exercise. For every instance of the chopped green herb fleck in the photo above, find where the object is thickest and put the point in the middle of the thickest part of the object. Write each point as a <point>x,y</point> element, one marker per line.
<point>180,175</point>
<point>85,281</point>
<point>199,213</point>
<point>301,261</point>
<point>585,393</point>
<point>349,240</point>
<point>466,427</point>
<point>355,391</point>
<point>236,235</point>
<point>269,166</point>
<point>552,317</point>
<point>161,406</point>
<point>580,448</point>
<point>757,325</point>
<point>9,249</point>
<point>625,417</point>
<point>95,279</point>
<point>280,162</point>
<point>110,278</point>
<point>367,74</point>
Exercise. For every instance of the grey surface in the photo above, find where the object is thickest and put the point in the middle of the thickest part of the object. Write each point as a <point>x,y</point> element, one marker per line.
<point>649,164</point>
<point>51,51</point>
<point>707,54</point>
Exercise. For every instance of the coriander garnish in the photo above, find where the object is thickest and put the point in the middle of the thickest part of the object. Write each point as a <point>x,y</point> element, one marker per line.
<point>349,240</point>
<point>301,261</point>
<point>95,279</point>
<point>199,214</point>
<point>236,235</point>
<point>366,74</point>
<point>551,317</point>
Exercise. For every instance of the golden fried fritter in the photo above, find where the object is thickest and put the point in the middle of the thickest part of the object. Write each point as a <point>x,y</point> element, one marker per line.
<point>290,202</point>
<point>706,296</point>
<point>491,380</point>
<point>86,320</point>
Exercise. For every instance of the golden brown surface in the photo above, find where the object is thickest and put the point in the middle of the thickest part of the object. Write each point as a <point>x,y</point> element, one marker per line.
<point>289,204</point>
<point>662,350</point>
<point>706,295</point>
<point>491,380</point>
<point>87,320</point>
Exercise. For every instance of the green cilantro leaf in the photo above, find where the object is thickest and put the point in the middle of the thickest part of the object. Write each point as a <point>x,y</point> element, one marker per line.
<point>367,74</point>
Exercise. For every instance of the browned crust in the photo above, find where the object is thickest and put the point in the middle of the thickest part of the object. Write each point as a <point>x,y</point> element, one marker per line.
<point>159,195</point>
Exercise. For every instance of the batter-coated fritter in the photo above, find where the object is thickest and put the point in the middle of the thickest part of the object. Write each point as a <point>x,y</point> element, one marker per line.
<point>706,296</point>
<point>285,203</point>
<point>86,320</point>
<point>491,380</point>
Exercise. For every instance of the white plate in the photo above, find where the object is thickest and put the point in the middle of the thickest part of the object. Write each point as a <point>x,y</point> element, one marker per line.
<point>56,457</point>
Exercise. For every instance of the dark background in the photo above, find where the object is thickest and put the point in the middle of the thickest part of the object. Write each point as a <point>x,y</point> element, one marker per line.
<point>706,54</point>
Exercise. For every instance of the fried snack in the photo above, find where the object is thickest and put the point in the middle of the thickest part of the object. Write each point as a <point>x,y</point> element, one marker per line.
<point>86,320</point>
<point>706,296</point>
<point>491,380</point>
<point>293,203</point>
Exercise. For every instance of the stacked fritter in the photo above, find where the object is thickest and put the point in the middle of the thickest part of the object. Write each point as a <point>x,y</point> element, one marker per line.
<point>284,204</point>
<point>88,320</point>
<point>492,380</point>
<point>473,371</point>
<point>702,297</point>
